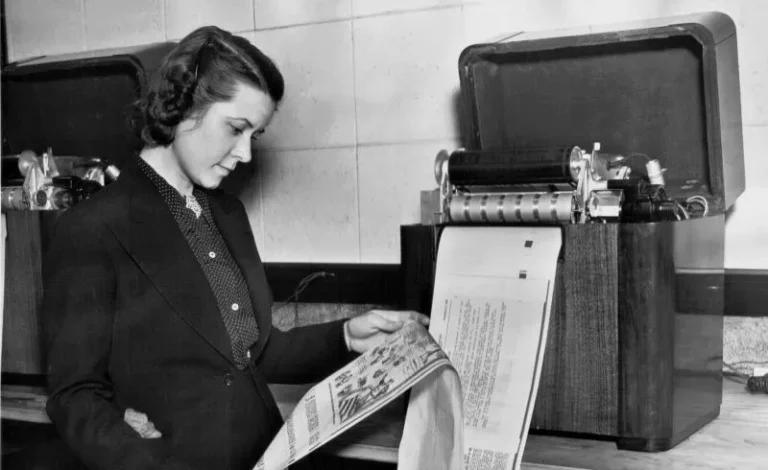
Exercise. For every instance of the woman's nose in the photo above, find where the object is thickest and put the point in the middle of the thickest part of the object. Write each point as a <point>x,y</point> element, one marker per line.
<point>243,150</point>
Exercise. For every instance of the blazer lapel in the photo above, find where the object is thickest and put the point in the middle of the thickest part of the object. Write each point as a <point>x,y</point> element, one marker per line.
<point>236,231</point>
<point>153,239</point>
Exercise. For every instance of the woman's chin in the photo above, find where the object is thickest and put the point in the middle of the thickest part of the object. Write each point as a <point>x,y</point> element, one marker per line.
<point>209,183</point>
<point>211,180</point>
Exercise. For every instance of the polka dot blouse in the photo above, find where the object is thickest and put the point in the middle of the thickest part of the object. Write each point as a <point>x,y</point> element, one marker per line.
<point>194,218</point>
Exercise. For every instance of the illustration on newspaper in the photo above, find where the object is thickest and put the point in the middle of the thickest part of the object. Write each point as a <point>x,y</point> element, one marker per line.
<point>355,392</point>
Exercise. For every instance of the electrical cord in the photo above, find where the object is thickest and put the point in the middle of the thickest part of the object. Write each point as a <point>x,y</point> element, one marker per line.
<point>681,210</point>
<point>698,201</point>
<point>300,287</point>
<point>754,384</point>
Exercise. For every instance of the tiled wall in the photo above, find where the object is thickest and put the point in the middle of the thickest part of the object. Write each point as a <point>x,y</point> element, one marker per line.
<point>371,100</point>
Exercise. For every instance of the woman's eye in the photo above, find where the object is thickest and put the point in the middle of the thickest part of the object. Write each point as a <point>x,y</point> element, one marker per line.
<point>235,130</point>
<point>255,136</point>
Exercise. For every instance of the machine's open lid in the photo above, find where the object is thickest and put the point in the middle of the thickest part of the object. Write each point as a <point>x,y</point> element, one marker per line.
<point>666,88</point>
<point>78,105</point>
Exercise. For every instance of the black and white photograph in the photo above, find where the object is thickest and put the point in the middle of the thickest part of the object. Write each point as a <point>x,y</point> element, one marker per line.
<point>383,234</point>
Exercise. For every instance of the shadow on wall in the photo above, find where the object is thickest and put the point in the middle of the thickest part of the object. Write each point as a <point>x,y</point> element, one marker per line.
<point>460,121</point>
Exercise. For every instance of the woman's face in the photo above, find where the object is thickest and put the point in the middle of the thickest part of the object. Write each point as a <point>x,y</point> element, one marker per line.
<point>208,149</point>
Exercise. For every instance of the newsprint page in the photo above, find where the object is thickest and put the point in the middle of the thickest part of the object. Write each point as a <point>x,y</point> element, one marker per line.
<point>473,374</point>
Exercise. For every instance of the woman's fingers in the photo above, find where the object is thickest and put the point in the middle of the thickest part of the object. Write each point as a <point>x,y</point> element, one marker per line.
<point>141,424</point>
<point>402,316</point>
<point>386,323</point>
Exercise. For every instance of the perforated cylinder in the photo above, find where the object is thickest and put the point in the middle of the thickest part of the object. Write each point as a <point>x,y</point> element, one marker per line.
<point>512,208</point>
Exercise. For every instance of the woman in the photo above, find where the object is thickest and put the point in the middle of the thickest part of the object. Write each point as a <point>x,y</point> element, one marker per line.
<point>156,299</point>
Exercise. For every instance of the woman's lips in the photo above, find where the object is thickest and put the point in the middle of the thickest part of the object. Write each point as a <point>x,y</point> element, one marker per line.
<point>224,170</point>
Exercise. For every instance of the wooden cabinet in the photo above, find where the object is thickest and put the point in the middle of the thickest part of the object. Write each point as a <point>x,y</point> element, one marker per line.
<point>26,238</point>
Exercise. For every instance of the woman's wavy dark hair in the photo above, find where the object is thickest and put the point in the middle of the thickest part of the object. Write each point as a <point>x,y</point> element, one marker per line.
<point>202,69</point>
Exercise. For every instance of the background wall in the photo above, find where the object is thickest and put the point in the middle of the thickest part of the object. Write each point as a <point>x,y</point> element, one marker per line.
<point>371,86</point>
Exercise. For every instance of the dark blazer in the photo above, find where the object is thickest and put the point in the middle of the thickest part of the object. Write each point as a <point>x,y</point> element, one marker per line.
<point>131,322</point>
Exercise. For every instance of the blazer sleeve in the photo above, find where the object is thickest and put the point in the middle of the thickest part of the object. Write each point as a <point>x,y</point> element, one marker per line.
<point>305,354</point>
<point>78,308</point>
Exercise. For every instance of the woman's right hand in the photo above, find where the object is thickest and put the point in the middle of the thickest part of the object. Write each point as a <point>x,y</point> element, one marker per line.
<point>371,329</point>
<point>141,424</point>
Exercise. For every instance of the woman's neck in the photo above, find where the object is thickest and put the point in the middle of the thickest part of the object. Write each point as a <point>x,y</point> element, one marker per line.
<point>165,163</point>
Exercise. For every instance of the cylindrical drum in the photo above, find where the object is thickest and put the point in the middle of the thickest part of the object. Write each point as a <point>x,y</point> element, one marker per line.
<point>514,166</point>
<point>15,199</point>
<point>513,208</point>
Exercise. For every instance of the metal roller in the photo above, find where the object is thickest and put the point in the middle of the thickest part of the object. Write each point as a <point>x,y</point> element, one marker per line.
<point>511,208</point>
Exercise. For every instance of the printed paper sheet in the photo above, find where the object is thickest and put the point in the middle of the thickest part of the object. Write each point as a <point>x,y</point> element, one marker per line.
<point>490,314</point>
<point>473,376</point>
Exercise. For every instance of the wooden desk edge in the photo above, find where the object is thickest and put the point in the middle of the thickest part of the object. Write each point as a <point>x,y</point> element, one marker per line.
<point>344,446</point>
<point>24,414</point>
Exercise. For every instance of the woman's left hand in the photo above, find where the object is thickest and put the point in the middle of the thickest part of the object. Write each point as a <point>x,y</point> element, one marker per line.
<point>367,331</point>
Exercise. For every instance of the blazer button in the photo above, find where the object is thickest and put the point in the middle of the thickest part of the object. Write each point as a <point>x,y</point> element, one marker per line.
<point>228,378</point>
